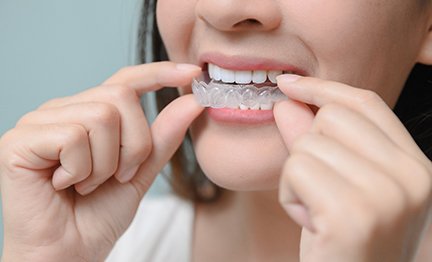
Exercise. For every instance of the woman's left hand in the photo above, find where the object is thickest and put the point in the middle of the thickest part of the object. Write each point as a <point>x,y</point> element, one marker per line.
<point>355,179</point>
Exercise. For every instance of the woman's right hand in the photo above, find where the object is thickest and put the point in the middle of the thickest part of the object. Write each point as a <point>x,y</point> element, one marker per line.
<point>74,171</point>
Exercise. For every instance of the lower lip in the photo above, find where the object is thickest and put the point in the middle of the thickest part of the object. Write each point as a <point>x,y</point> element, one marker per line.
<point>237,116</point>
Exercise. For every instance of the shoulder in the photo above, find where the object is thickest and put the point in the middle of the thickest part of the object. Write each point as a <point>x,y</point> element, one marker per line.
<point>161,231</point>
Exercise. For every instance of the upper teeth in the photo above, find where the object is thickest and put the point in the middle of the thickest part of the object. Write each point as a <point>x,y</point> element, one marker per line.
<point>242,77</point>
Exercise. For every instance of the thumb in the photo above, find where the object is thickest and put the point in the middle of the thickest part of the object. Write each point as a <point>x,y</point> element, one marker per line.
<point>293,118</point>
<point>167,132</point>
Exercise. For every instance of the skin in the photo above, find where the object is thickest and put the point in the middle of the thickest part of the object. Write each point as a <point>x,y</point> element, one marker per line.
<point>321,159</point>
<point>43,221</point>
<point>346,183</point>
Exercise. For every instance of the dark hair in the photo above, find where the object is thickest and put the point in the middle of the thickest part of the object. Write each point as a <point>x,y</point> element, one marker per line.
<point>186,177</point>
<point>414,109</point>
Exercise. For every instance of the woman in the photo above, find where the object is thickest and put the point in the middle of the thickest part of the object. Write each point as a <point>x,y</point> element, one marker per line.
<point>353,184</point>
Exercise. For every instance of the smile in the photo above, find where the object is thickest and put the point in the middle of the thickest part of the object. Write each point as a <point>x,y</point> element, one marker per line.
<point>243,76</point>
<point>238,89</point>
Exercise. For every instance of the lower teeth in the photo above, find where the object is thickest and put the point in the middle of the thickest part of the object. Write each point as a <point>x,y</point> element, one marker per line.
<point>246,97</point>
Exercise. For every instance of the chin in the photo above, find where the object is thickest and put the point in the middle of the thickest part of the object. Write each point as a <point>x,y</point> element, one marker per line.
<point>238,177</point>
<point>240,158</point>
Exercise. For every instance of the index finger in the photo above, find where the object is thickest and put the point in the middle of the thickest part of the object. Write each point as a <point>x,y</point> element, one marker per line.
<point>150,77</point>
<point>319,92</point>
<point>141,78</point>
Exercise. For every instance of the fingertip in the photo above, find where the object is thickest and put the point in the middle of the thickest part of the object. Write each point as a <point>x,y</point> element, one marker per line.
<point>178,77</point>
<point>126,175</point>
<point>191,69</point>
<point>190,103</point>
<point>300,214</point>
<point>62,179</point>
<point>86,189</point>
<point>288,78</point>
<point>287,82</point>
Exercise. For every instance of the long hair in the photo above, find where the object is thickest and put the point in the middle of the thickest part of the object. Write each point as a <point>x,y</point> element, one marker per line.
<point>184,174</point>
<point>414,109</point>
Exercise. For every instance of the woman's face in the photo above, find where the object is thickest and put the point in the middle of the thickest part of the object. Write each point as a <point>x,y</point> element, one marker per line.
<point>371,44</point>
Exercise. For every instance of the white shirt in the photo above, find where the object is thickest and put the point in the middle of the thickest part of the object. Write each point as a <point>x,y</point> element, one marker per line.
<point>160,232</point>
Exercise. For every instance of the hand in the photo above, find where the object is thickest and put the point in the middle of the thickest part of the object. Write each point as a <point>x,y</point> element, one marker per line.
<point>355,180</point>
<point>74,171</point>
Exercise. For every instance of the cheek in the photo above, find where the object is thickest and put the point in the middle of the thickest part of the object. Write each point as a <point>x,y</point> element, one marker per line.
<point>363,42</point>
<point>175,19</point>
<point>323,27</point>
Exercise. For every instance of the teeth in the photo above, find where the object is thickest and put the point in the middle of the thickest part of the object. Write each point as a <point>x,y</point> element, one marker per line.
<point>267,106</point>
<point>216,73</point>
<point>243,107</point>
<point>259,76</point>
<point>211,70</point>
<point>256,107</point>
<point>242,77</point>
<point>272,75</point>
<point>227,76</point>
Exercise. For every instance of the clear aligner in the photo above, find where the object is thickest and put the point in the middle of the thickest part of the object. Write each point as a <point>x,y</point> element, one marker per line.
<point>221,95</point>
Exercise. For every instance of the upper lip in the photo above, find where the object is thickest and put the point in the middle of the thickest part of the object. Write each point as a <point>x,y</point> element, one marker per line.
<point>240,62</point>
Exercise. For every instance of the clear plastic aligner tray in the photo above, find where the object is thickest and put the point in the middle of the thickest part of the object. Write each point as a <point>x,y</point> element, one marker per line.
<point>221,95</point>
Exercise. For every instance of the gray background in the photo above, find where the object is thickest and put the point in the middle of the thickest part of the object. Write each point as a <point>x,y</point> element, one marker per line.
<point>53,48</point>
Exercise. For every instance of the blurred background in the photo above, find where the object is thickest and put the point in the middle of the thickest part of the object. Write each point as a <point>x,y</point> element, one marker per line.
<point>54,48</point>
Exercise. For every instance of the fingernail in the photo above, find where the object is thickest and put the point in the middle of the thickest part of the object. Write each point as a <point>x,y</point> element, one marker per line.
<point>88,189</point>
<point>288,78</point>
<point>188,67</point>
<point>127,175</point>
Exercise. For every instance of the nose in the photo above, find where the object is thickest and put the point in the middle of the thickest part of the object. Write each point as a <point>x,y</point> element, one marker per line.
<point>240,15</point>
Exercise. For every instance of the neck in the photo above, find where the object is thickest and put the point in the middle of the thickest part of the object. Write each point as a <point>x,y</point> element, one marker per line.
<point>245,226</point>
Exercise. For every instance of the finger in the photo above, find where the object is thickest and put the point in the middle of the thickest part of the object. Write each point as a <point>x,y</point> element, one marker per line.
<point>168,132</point>
<point>309,182</point>
<point>141,79</point>
<point>43,147</point>
<point>149,77</point>
<point>373,179</point>
<point>135,137</point>
<point>357,133</point>
<point>102,124</point>
<point>292,119</point>
<point>123,91</point>
<point>320,92</point>
<point>363,137</point>
<point>377,199</point>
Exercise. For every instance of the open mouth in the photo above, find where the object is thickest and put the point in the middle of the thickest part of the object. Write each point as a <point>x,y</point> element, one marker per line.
<point>238,89</point>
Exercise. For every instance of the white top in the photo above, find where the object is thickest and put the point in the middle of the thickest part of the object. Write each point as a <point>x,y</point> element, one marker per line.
<point>160,232</point>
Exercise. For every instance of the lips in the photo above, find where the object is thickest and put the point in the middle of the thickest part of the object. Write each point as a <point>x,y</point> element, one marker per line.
<point>242,63</point>
<point>242,70</point>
